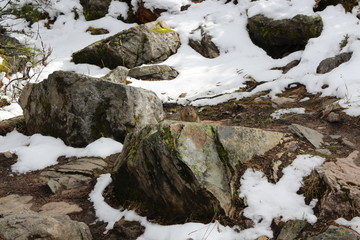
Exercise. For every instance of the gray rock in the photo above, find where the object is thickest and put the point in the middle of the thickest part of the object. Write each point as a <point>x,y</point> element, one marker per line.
<point>74,174</point>
<point>205,46</point>
<point>336,233</point>
<point>323,151</point>
<point>291,229</point>
<point>189,167</point>
<point>95,9</point>
<point>334,117</point>
<point>153,72</point>
<point>118,75</point>
<point>80,109</point>
<point>57,181</point>
<point>348,143</point>
<point>281,37</point>
<point>288,66</point>
<point>331,63</point>
<point>14,203</point>
<point>153,42</point>
<point>54,186</point>
<point>30,225</point>
<point>314,137</point>
<point>342,187</point>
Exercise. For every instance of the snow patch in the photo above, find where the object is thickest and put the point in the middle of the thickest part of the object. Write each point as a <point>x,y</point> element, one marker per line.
<point>37,152</point>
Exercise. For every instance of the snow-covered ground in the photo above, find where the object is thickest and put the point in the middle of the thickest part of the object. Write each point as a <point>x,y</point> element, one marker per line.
<point>205,82</point>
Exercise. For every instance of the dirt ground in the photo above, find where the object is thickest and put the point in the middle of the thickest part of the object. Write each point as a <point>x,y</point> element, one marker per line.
<point>249,112</point>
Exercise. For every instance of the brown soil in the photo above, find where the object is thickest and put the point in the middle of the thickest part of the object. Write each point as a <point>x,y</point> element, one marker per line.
<point>250,112</point>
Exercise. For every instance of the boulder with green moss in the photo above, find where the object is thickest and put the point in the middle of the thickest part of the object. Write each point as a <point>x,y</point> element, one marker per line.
<point>80,109</point>
<point>95,9</point>
<point>184,170</point>
<point>148,43</point>
<point>14,55</point>
<point>281,37</point>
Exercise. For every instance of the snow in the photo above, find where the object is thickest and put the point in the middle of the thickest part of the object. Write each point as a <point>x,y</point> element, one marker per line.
<point>37,152</point>
<point>265,200</point>
<point>10,111</point>
<point>278,113</point>
<point>353,223</point>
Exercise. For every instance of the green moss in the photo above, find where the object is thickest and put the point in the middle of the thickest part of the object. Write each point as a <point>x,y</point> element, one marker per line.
<point>30,12</point>
<point>101,125</point>
<point>162,30</point>
<point>93,12</point>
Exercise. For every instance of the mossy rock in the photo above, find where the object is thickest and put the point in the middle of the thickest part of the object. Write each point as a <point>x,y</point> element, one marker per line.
<point>15,55</point>
<point>281,37</point>
<point>130,48</point>
<point>189,167</point>
<point>95,9</point>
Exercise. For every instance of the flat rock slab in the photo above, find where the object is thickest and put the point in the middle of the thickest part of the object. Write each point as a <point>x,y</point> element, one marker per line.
<point>59,208</point>
<point>31,225</point>
<point>73,174</point>
<point>314,137</point>
<point>15,203</point>
<point>84,166</point>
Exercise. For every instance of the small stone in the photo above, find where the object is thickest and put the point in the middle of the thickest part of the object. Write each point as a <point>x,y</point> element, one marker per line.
<point>334,117</point>
<point>292,147</point>
<point>8,155</point>
<point>54,186</point>
<point>323,151</point>
<point>291,229</point>
<point>335,137</point>
<point>262,238</point>
<point>282,100</point>
<point>126,230</point>
<point>349,144</point>
<point>118,75</point>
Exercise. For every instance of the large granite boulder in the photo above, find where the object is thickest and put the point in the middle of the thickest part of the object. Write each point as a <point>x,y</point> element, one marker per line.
<point>281,37</point>
<point>80,109</point>
<point>30,225</point>
<point>181,170</point>
<point>95,9</point>
<point>148,43</point>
